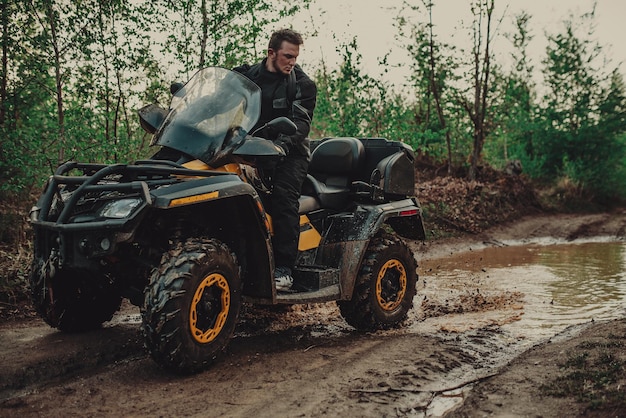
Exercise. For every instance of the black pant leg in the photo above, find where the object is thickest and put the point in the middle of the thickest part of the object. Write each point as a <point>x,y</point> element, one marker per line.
<point>288,178</point>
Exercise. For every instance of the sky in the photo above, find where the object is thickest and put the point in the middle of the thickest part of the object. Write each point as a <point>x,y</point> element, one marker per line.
<point>331,22</point>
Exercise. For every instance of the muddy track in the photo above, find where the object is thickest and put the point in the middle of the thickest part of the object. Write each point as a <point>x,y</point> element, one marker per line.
<point>316,369</point>
<point>301,361</point>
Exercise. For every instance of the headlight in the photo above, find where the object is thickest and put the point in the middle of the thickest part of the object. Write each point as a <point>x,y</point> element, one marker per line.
<point>119,209</point>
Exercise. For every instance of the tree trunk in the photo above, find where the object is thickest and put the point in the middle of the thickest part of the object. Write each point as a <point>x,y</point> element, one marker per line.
<point>5,60</point>
<point>58,76</point>
<point>481,86</point>
<point>205,34</point>
<point>436,93</point>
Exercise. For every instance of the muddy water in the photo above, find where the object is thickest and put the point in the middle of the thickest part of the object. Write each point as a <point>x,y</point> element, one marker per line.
<point>499,301</point>
<point>535,290</point>
<point>584,282</point>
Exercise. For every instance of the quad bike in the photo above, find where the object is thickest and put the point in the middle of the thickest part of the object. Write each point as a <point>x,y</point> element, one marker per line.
<point>186,237</point>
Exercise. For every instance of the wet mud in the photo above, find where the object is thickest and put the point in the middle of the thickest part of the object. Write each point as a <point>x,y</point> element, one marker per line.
<point>305,360</point>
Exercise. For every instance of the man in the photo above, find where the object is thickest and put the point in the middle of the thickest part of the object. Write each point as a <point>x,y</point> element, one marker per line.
<point>286,91</point>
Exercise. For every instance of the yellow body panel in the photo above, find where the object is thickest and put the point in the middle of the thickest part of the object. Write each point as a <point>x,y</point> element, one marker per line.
<point>194,199</point>
<point>199,165</point>
<point>309,237</point>
<point>196,165</point>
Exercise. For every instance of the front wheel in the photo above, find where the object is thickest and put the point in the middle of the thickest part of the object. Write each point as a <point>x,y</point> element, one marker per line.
<point>73,300</point>
<point>385,288</point>
<point>191,305</point>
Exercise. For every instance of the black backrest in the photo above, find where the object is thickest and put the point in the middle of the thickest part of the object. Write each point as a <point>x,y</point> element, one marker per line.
<point>338,157</point>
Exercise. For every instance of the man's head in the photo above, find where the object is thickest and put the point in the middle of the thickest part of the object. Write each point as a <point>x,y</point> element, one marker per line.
<point>283,50</point>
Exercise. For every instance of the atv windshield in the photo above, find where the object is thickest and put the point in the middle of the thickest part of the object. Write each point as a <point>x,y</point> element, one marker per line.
<point>210,116</point>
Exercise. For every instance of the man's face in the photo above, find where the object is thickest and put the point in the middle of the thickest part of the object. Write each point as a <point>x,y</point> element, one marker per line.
<point>284,59</point>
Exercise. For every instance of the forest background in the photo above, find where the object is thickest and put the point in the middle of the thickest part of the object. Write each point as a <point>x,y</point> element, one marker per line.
<point>74,73</point>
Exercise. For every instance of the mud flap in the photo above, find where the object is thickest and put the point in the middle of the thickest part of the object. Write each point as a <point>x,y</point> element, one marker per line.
<point>411,227</point>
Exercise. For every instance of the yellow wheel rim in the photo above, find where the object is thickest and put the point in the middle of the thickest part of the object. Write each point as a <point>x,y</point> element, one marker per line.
<point>391,285</point>
<point>209,308</point>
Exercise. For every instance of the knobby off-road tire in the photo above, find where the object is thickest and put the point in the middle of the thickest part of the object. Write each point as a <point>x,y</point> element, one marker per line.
<point>73,300</point>
<point>385,287</point>
<point>191,305</point>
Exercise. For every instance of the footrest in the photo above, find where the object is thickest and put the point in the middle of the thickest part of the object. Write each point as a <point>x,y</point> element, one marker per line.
<point>314,278</point>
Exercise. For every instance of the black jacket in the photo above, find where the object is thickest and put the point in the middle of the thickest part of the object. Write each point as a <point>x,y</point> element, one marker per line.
<point>276,103</point>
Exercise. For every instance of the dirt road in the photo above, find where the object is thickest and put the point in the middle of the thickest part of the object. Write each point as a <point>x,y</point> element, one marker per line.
<point>307,362</point>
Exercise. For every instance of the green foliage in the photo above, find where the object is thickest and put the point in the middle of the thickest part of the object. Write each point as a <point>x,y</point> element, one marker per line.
<point>351,103</point>
<point>76,72</point>
<point>581,135</point>
<point>433,66</point>
<point>345,95</point>
<point>212,32</point>
<point>512,105</point>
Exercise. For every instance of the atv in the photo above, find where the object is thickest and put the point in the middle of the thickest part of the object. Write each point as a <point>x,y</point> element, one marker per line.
<point>185,235</point>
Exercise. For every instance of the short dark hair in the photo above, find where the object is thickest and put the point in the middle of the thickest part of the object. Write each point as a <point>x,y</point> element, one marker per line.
<point>289,35</point>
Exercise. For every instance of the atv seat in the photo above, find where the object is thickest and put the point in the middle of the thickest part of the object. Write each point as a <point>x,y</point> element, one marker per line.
<point>335,163</point>
<point>307,204</point>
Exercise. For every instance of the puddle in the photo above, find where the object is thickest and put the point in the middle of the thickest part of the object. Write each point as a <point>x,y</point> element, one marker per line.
<point>557,285</point>
<point>531,292</point>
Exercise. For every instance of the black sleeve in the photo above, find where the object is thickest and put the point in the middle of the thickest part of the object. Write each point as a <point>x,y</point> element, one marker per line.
<point>303,108</point>
<point>242,68</point>
<point>306,98</point>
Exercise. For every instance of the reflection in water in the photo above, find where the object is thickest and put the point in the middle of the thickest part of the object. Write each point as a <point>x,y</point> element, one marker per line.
<point>588,274</point>
<point>562,284</point>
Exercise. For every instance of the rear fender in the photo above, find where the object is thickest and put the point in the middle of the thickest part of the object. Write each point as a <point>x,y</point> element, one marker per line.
<point>348,236</point>
<point>407,221</point>
<point>404,216</point>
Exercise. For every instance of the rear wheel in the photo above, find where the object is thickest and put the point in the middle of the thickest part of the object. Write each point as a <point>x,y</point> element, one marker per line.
<point>191,305</point>
<point>386,285</point>
<point>73,300</point>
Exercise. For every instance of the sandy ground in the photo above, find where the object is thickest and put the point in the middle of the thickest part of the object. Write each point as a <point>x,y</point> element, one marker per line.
<point>306,362</point>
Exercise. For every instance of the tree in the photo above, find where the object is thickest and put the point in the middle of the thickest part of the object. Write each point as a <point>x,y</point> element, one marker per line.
<point>432,72</point>
<point>342,97</point>
<point>111,58</point>
<point>25,96</point>
<point>212,32</point>
<point>477,107</point>
<point>583,132</point>
<point>55,41</point>
<point>513,103</point>
<point>6,44</point>
<point>351,103</point>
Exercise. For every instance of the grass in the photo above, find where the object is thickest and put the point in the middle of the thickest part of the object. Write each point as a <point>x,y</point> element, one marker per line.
<point>594,375</point>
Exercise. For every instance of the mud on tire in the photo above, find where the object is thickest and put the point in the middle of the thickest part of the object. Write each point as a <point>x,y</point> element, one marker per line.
<point>191,305</point>
<point>386,285</point>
